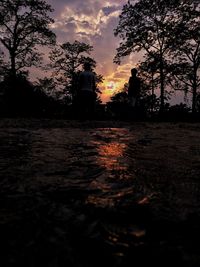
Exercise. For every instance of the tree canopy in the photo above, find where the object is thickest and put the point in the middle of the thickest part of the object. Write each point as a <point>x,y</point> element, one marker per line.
<point>24,25</point>
<point>158,28</point>
<point>186,49</point>
<point>66,61</point>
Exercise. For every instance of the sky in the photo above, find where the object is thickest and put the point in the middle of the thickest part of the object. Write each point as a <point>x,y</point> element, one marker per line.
<point>93,22</point>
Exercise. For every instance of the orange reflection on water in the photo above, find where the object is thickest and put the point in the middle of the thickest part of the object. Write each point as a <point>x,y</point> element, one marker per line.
<point>138,233</point>
<point>100,201</point>
<point>110,155</point>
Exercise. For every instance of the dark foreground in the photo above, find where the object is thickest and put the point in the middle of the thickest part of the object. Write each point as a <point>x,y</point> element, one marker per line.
<point>99,194</point>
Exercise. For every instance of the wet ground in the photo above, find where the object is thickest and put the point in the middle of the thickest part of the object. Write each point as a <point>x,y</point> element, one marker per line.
<point>99,194</point>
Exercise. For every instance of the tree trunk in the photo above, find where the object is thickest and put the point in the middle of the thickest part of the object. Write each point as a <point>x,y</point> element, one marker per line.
<point>162,87</point>
<point>194,97</point>
<point>13,65</point>
<point>152,91</point>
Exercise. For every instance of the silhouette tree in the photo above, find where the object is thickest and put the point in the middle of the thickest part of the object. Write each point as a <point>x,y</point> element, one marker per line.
<point>198,103</point>
<point>149,73</point>
<point>1,79</point>
<point>149,101</point>
<point>147,25</point>
<point>186,49</point>
<point>66,60</point>
<point>2,66</point>
<point>48,86</point>
<point>118,106</point>
<point>24,24</point>
<point>120,97</point>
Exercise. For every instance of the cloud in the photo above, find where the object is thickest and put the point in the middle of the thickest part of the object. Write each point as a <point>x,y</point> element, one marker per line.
<point>110,9</point>
<point>115,81</point>
<point>93,22</point>
<point>86,18</point>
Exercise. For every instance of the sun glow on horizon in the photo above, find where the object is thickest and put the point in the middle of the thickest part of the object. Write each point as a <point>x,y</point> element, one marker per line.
<point>109,87</point>
<point>115,79</point>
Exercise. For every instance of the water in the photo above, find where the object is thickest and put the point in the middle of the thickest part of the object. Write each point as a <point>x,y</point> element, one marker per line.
<point>96,196</point>
<point>95,159</point>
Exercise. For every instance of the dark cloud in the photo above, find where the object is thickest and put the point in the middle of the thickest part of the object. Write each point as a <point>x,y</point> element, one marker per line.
<point>79,6</point>
<point>70,19</point>
<point>93,22</point>
<point>110,9</point>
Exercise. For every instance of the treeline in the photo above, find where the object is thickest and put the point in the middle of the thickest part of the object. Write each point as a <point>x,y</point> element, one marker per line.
<point>167,32</point>
<point>24,30</point>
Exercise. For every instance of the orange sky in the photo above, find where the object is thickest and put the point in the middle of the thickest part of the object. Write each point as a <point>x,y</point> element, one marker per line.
<point>114,81</point>
<point>93,22</point>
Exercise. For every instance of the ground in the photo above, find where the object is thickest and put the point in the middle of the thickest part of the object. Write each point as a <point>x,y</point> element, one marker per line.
<point>99,193</point>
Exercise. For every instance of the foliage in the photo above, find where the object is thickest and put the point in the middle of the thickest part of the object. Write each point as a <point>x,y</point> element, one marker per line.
<point>149,74</point>
<point>120,97</point>
<point>139,28</point>
<point>198,104</point>
<point>66,60</point>
<point>186,50</point>
<point>24,25</point>
<point>48,86</point>
<point>22,98</point>
<point>147,25</point>
<point>1,66</point>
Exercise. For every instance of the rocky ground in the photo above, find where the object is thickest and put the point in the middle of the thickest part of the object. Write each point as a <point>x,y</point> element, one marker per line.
<point>87,194</point>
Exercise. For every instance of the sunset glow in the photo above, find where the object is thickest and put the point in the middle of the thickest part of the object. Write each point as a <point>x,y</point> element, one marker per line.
<point>110,87</point>
<point>114,81</point>
<point>93,22</point>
